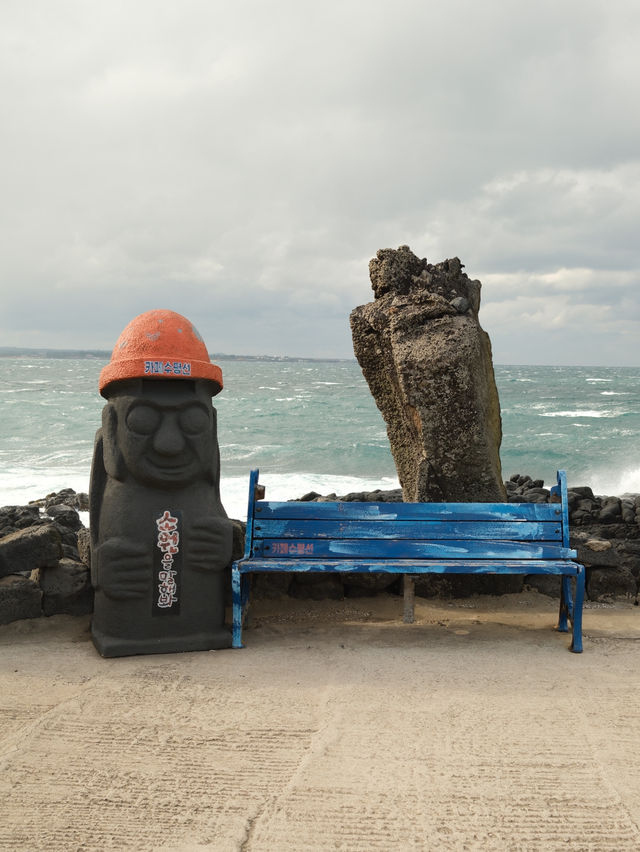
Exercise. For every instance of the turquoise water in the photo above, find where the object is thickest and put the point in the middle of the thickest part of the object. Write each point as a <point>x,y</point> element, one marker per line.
<point>583,419</point>
<point>313,425</point>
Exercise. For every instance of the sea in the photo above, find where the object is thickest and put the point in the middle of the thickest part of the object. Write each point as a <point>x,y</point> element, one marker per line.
<point>313,426</point>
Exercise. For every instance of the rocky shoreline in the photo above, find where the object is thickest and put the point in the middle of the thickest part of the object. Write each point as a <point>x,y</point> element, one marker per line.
<point>45,555</point>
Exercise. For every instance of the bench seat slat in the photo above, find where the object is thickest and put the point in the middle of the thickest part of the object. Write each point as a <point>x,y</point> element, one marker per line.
<point>410,511</point>
<point>414,566</point>
<point>418,530</point>
<point>399,549</point>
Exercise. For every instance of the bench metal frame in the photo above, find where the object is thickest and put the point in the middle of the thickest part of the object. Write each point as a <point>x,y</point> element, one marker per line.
<point>410,539</point>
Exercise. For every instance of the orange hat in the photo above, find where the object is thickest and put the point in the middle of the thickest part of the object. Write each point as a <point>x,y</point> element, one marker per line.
<point>160,345</point>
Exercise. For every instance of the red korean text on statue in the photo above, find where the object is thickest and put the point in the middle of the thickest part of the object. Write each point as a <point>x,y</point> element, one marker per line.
<point>168,540</point>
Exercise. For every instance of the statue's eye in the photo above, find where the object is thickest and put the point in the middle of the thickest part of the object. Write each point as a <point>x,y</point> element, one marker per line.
<point>143,419</point>
<point>194,420</point>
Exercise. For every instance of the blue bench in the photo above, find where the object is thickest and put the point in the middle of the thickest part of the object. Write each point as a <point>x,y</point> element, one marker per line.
<point>409,539</point>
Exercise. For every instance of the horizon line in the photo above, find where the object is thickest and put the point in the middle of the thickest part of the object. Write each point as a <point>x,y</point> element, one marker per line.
<point>53,352</point>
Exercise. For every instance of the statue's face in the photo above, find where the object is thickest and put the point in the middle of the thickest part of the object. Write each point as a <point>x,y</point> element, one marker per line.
<point>166,432</point>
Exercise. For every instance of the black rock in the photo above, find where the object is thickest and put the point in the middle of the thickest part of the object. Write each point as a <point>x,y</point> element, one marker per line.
<point>546,584</point>
<point>14,518</point>
<point>582,491</point>
<point>611,511</point>
<point>317,586</point>
<point>537,495</point>
<point>64,515</point>
<point>605,582</point>
<point>66,589</point>
<point>29,549</point>
<point>20,597</point>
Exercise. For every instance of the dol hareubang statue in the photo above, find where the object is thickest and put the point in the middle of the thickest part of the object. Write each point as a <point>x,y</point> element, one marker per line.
<point>160,538</point>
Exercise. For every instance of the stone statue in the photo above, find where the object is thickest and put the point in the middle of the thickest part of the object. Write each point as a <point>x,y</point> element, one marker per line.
<point>160,538</point>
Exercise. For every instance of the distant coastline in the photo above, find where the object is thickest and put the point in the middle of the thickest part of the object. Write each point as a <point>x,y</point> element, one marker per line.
<point>105,355</point>
<point>19,352</point>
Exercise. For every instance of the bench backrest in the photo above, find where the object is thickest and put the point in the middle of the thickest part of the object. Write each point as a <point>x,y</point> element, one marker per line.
<point>338,530</point>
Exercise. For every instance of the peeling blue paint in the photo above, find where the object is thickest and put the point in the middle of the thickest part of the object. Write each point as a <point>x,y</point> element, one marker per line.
<point>411,538</point>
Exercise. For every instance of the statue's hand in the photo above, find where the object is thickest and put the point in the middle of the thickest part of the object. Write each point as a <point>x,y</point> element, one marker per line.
<point>210,544</point>
<point>125,569</point>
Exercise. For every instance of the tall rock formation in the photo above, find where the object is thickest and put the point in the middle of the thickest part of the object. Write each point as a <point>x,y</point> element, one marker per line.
<point>428,364</point>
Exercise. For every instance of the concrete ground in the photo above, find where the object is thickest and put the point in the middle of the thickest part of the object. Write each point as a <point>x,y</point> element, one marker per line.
<point>336,727</point>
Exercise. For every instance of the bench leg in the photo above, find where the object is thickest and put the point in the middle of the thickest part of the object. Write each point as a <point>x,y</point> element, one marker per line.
<point>576,644</point>
<point>566,604</point>
<point>237,606</point>
<point>409,590</point>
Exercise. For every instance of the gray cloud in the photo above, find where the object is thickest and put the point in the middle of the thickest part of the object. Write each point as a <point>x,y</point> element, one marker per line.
<point>240,163</point>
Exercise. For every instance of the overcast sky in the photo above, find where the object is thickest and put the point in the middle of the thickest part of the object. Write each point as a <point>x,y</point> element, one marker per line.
<point>240,163</point>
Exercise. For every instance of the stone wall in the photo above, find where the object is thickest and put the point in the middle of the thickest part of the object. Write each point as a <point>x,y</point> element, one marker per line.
<point>45,557</point>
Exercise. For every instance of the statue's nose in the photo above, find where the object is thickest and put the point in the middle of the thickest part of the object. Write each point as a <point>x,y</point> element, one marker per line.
<point>168,439</point>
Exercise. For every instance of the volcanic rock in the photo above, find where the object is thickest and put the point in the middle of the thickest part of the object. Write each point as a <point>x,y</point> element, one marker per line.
<point>14,518</point>
<point>65,515</point>
<point>428,364</point>
<point>20,598</point>
<point>66,589</point>
<point>30,548</point>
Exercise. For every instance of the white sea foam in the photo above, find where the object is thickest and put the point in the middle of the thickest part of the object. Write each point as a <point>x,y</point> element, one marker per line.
<point>20,487</point>
<point>616,482</point>
<point>579,413</point>
<point>281,486</point>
